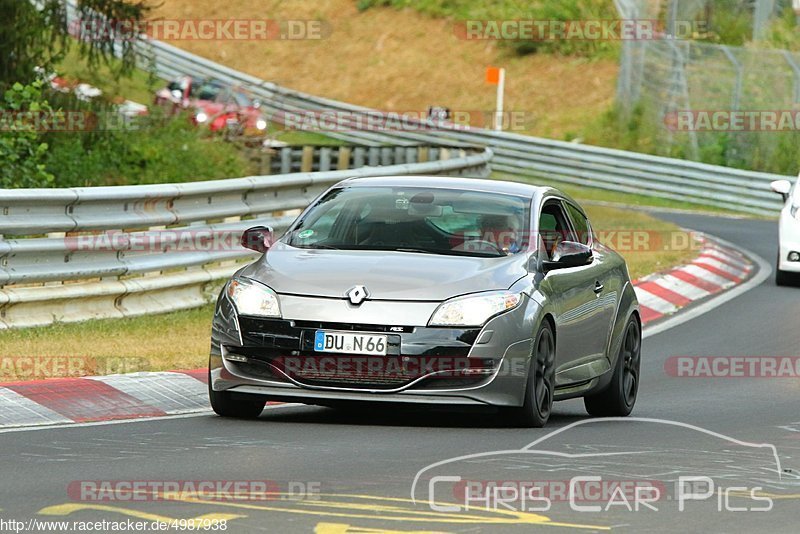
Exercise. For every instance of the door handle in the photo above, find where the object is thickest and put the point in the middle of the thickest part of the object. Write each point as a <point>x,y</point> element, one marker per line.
<point>598,288</point>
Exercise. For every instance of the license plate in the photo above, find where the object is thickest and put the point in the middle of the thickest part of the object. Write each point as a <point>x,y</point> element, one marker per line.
<point>349,343</point>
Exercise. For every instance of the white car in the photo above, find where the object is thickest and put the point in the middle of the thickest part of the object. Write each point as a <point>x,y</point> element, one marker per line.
<point>788,232</point>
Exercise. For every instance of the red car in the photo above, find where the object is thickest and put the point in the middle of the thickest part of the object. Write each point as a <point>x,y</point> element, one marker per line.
<point>215,105</point>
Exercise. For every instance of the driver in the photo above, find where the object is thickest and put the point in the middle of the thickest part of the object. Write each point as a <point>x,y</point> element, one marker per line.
<point>502,231</point>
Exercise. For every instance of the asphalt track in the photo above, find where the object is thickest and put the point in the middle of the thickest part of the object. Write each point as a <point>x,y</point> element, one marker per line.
<point>352,471</point>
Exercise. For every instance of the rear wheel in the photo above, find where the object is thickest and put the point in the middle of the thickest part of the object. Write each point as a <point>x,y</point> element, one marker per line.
<point>620,395</point>
<point>540,389</point>
<point>226,404</point>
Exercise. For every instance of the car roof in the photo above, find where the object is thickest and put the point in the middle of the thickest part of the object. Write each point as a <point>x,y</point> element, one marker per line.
<point>468,184</point>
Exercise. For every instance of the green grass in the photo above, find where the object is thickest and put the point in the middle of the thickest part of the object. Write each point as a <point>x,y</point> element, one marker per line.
<point>177,340</point>
<point>139,87</point>
<point>596,195</point>
<point>296,137</point>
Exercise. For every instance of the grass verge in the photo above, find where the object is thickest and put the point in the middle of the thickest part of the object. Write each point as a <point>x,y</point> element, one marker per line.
<point>597,195</point>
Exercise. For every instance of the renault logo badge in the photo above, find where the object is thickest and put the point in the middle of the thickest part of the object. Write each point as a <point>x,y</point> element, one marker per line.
<point>357,295</point>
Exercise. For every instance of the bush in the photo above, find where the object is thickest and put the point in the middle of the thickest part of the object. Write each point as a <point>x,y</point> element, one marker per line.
<point>22,150</point>
<point>157,150</point>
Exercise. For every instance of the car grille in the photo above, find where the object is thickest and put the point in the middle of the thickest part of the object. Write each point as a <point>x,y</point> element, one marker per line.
<point>270,344</point>
<point>352,378</point>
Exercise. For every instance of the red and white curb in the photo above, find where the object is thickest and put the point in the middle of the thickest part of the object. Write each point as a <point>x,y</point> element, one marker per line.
<point>715,270</point>
<point>102,398</point>
<point>145,395</point>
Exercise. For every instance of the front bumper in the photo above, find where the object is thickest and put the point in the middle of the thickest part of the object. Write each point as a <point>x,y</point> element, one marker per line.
<point>275,358</point>
<point>789,241</point>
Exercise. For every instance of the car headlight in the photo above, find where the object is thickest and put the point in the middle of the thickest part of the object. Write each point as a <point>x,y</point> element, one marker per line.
<point>261,124</point>
<point>474,310</point>
<point>252,298</point>
<point>201,117</point>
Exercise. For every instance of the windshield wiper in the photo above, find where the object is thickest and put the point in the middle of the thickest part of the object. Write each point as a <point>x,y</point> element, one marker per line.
<point>318,246</point>
<point>446,252</point>
<point>419,250</point>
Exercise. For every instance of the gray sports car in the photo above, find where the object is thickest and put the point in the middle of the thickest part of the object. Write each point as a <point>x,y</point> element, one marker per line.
<point>430,290</point>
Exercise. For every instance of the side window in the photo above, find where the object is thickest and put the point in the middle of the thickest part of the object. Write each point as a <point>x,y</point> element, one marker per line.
<point>554,226</point>
<point>222,97</point>
<point>580,223</point>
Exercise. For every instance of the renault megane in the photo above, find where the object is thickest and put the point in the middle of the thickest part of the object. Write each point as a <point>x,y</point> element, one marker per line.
<point>430,290</point>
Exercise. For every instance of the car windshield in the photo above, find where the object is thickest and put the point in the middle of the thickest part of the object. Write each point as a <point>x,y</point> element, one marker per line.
<point>415,219</point>
<point>241,99</point>
<point>206,91</point>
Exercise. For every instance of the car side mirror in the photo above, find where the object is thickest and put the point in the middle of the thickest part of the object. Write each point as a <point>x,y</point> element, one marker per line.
<point>568,254</point>
<point>782,187</point>
<point>258,238</point>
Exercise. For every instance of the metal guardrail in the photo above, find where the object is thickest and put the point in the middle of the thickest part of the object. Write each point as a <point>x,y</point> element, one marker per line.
<point>309,158</point>
<point>609,169</point>
<point>95,252</point>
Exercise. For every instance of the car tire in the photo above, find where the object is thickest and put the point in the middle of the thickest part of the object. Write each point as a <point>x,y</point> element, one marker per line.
<point>224,404</point>
<point>540,388</point>
<point>782,278</point>
<point>619,397</point>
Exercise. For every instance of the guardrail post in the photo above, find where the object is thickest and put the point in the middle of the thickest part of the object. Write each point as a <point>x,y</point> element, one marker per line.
<point>307,163</point>
<point>265,161</point>
<point>358,157</point>
<point>386,155</point>
<point>422,154</point>
<point>286,160</point>
<point>344,158</point>
<point>374,156</point>
<point>324,158</point>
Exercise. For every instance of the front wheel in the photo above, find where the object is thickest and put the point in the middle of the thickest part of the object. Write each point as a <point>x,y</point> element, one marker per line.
<point>540,389</point>
<point>225,404</point>
<point>782,278</point>
<point>620,395</point>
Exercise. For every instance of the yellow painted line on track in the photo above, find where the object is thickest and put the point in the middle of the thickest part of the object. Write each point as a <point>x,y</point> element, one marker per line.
<point>384,512</point>
<point>344,528</point>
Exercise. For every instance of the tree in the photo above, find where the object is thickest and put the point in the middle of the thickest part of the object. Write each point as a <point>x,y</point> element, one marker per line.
<point>36,33</point>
